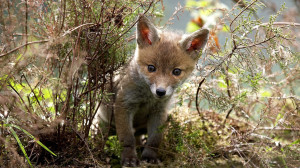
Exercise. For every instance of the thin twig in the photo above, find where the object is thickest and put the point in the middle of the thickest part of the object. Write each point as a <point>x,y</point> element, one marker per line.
<point>241,13</point>
<point>228,113</point>
<point>256,44</point>
<point>282,24</point>
<point>86,144</point>
<point>178,9</point>
<point>23,45</point>
<point>278,129</point>
<point>64,14</point>
<point>32,91</point>
<point>75,28</point>
<point>197,93</point>
<point>213,70</point>
<point>21,98</point>
<point>26,21</point>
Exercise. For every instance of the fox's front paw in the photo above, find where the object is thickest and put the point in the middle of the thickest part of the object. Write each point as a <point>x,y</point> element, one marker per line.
<point>130,162</point>
<point>129,158</point>
<point>150,156</point>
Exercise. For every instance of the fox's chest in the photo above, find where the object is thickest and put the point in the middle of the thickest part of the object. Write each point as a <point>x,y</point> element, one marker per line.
<point>136,96</point>
<point>145,110</point>
<point>144,104</point>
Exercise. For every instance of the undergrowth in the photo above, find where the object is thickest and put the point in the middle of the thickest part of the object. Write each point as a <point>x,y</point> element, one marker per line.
<point>58,60</point>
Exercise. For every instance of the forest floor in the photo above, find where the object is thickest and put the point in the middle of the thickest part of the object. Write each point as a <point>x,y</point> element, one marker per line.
<point>189,143</point>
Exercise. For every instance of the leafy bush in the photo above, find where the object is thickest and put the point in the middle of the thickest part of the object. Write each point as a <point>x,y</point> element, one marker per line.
<point>58,59</point>
<point>247,94</point>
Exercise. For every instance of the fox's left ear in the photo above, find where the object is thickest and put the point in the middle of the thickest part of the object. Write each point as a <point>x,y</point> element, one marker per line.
<point>195,42</point>
<point>147,34</point>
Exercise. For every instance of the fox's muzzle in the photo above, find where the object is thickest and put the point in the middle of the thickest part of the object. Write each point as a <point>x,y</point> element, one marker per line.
<point>160,92</point>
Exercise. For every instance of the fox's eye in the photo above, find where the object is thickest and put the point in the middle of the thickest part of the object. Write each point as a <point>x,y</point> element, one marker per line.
<point>176,72</point>
<point>151,68</point>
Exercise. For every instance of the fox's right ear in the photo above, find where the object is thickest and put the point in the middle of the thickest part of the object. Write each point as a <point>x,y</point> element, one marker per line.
<point>146,34</point>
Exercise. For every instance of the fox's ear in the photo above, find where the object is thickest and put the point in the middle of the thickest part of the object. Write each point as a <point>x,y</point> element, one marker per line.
<point>147,34</point>
<point>195,42</point>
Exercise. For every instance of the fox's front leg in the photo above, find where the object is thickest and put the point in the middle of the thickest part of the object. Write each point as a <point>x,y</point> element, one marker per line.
<point>155,135</point>
<point>125,132</point>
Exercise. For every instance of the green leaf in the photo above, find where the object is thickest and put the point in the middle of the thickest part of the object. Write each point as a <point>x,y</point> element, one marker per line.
<point>20,144</point>
<point>45,147</point>
<point>266,94</point>
<point>47,93</point>
<point>222,84</point>
<point>191,27</point>
<point>279,116</point>
<point>296,142</point>
<point>193,3</point>
<point>225,28</point>
<point>268,149</point>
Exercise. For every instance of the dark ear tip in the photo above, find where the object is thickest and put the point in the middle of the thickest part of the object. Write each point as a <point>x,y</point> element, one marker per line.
<point>142,17</point>
<point>203,31</point>
<point>206,30</point>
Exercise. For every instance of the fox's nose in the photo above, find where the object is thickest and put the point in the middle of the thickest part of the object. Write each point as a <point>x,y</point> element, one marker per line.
<point>160,92</point>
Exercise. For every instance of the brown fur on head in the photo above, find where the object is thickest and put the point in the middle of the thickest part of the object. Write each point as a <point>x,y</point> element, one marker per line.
<point>166,51</point>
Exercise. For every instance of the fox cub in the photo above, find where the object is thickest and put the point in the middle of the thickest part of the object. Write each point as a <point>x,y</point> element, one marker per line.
<point>162,61</point>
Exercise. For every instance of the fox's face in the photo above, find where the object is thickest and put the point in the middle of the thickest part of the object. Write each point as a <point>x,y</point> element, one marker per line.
<point>166,59</point>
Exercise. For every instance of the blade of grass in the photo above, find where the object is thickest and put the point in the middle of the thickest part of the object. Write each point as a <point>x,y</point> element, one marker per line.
<point>295,142</point>
<point>31,136</point>
<point>20,144</point>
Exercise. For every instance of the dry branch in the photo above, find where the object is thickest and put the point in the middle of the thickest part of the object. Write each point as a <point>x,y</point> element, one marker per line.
<point>23,45</point>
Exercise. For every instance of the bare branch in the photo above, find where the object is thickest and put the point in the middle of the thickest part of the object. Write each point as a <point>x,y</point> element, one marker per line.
<point>282,24</point>
<point>23,45</point>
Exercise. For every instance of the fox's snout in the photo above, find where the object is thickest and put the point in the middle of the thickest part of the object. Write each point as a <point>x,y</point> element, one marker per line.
<point>160,92</point>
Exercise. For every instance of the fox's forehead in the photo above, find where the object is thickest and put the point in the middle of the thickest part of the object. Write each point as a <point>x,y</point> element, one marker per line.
<point>170,36</point>
<point>166,53</point>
